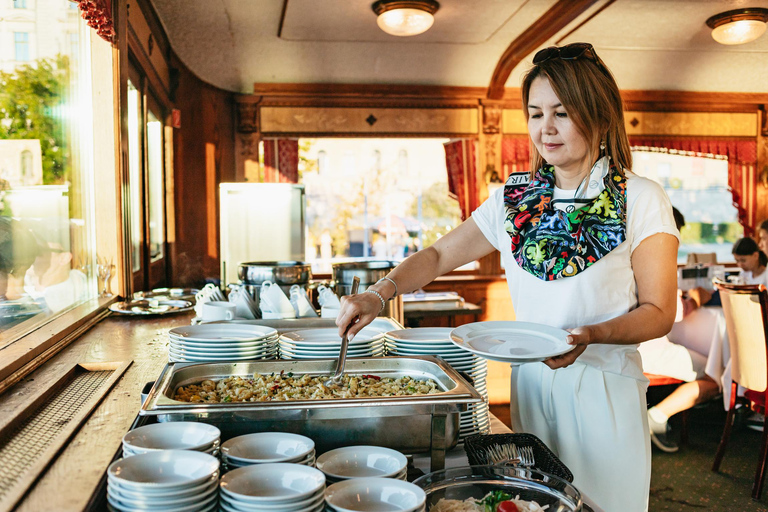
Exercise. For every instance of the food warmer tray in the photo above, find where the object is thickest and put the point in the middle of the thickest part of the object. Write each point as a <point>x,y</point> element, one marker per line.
<point>410,424</point>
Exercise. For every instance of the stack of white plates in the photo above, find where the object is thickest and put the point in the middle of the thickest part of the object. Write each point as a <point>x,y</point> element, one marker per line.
<point>267,447</point>
<point>168,480</point>
<point>222,342</point>
<point>361,462</point>
<point>325,343</point>
<point>277,487</point>
<point>436,341</point>
<point>174,435</point>
<point>375,494</point>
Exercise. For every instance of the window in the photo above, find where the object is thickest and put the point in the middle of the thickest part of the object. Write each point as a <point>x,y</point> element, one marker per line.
<point>156,188</point>
<point>698,187</point>
<point>21,41</point>
<point>19,4</point>
<point>48,208</point>
<point>374,198</point>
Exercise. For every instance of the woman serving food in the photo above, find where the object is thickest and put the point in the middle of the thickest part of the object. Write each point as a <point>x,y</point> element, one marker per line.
<point>589,247</point>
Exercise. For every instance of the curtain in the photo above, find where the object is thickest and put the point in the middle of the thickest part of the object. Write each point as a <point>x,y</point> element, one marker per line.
<point>281,160</point>
<point>461,164</point>
<point>742,161</point>
<point>515,154</point>
<point>98,15</point>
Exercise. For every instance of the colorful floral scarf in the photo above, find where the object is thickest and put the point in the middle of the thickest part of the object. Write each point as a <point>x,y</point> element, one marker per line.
<point>550,243</point>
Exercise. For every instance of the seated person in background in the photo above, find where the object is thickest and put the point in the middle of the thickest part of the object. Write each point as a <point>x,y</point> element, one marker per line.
<point>18,249</point>
<point>682,354</point>
<point>751,260</point>
<point>762,236</point>
<point>53,279</point>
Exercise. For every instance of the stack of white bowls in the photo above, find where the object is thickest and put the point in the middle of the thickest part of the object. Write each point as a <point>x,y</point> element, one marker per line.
<point>222,342</point>
<point>267,447</point>
<point>168,480</point>
<point>326,343</point>
<point>373,495</point>
<point>174,435</point>
<point>362,462</point>
<point>436,341</point>
<point>279,487</point>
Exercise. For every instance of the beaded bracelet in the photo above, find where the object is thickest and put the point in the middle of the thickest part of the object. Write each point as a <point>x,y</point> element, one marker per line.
<point>385,278</point>
<point>383,302</point>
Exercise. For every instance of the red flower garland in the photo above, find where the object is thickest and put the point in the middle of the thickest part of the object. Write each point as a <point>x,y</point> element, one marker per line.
<point>98,15</point>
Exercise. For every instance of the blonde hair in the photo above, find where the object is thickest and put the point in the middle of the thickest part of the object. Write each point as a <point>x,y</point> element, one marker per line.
<point>591,96</point>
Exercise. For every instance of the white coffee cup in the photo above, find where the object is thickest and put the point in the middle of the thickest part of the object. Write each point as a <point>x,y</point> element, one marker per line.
<point>219,310</point>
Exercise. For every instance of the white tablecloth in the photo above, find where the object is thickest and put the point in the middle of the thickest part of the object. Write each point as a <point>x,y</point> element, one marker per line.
<point>458,457</point>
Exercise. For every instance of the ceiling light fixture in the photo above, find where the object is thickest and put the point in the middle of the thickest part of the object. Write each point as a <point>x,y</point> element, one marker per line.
<point>738,26</point>
<point>405,17</point>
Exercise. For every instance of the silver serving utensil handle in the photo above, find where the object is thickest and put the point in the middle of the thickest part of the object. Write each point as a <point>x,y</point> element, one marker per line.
<point>335,379</point>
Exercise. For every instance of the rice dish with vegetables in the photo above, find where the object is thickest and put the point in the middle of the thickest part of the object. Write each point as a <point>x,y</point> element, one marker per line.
<point>496,501</point>
<point>286,386</point>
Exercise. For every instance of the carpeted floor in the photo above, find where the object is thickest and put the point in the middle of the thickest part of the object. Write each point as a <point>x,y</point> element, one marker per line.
<point>684,482</point>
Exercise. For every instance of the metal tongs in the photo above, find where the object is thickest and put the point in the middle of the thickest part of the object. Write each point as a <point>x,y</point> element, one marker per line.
<point>335,379</point>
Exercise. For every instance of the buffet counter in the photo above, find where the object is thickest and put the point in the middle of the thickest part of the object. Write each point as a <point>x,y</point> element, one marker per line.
<point>130,352</point>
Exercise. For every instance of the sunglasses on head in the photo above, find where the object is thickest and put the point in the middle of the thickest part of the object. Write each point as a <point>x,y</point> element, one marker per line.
<point>573,51</point>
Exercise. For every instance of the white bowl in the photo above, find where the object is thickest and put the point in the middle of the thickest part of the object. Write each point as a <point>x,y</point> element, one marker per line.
<point>267,447</point>
<point>114,486</point>
<point>296,506</point>
<point>278,483</point>
<point>203,503</point>
<point>374,495</point>
<point>361,462</point>
<point>137,500</point>
<point>166,469</point>
<point>174,435</point>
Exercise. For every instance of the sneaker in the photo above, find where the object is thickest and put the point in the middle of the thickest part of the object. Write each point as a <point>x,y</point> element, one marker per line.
<point>660,436</point>
<point>756,421</point>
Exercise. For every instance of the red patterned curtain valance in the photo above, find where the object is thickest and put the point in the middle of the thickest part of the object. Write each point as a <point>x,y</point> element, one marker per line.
<point>515,154</point>
<point>281,160</point>
<point>742,161</point>
<point>462,174</point>
<point>98,15</point>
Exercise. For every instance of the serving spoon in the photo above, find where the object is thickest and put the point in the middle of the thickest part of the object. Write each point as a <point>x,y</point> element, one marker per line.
<point>335,379</point>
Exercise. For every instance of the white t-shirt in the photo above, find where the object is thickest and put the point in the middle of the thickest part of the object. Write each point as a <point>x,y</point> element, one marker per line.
<point>603,291</point>
<point>751,279</point>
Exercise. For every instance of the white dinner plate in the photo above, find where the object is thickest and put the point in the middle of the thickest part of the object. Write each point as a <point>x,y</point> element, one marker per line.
<point>219,352</point>
<point>511,342</point>
<point>222,344</point>
<point>225,332</point>
<point>422,335</point>
<point>327,337</point>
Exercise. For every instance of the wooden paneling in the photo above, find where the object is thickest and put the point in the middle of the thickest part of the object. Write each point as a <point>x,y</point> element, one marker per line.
<point>513,122</point>
<point>207,118</point>
<point>715,124</point>
<point>149,46</point>
<point>368,121</point>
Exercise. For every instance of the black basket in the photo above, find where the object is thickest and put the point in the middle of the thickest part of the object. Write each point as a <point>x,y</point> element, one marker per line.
<point>477,445</point>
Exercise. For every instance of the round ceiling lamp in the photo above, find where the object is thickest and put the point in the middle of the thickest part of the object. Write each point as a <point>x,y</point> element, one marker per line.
<point>405,17</point>
<point>738,26</point>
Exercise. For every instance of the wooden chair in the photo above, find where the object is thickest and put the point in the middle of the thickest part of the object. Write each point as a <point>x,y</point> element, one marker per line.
<point>663,380</point>
<point>745,308</point>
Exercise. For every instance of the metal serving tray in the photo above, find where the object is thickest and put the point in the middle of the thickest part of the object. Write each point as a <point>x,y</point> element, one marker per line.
<point>411,424</point>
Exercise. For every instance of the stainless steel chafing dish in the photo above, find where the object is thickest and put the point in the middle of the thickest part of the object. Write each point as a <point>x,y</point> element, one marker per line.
<point>411,424</point>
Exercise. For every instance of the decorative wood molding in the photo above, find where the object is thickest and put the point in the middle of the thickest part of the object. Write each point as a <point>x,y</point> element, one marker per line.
<point>247,117</point>
<point>491,119</point>
<point>764,120</point>
<point>249,146</point>
<point>689,101</point>
<point>540,31</point>
<point>373,121</point>
<point>713,124</point>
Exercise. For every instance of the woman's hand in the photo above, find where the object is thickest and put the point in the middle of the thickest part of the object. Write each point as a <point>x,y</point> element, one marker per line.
<point>360,309</point>
<point>580,337</point>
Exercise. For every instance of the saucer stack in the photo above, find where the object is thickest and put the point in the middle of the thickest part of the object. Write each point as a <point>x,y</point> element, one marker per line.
<point>374,494</point>
<point>362,462</point>
<point>277,487</point>
<point>221,342</point>
<point>266,448</point>
<point>326,343</point>
<point>178,480</point>
<point>174,435</point>
<point>436,341</point>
